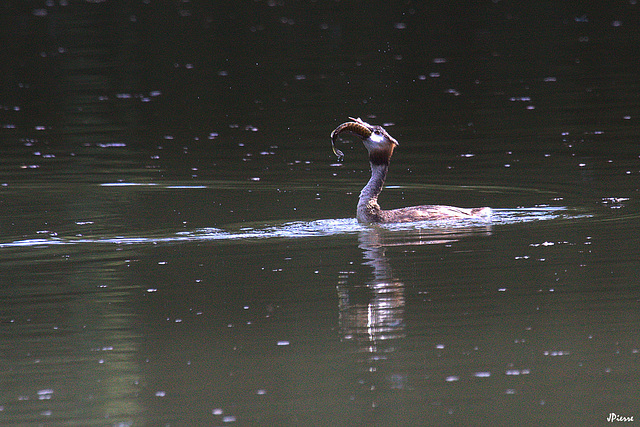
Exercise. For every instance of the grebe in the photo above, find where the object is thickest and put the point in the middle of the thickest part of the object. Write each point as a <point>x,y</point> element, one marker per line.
<point>380,146</point>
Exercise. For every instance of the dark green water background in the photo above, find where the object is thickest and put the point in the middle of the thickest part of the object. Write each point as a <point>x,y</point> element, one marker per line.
<point>177,242</point>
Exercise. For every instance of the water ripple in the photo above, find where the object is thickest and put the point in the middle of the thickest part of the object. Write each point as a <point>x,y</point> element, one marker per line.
<point>307,229</point>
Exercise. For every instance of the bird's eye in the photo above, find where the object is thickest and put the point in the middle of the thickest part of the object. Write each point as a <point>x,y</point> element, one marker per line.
<point>377,132</point>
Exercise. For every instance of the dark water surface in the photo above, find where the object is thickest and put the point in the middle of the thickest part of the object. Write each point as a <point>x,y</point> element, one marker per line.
<point>177,242</point>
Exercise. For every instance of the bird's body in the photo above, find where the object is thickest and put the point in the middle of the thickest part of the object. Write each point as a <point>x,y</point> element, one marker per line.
<point>380,146</point>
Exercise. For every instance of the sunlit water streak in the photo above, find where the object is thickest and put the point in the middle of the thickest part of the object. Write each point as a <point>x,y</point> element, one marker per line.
<point>317,228</point>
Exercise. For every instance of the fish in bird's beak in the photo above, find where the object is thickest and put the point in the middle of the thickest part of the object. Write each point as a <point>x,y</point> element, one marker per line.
<point>364,130</point>
<point>355,126</point>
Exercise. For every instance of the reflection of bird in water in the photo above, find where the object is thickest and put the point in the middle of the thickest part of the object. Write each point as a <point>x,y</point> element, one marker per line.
<point>372,318</point>
<point>380,146</point>
<point>374,312</point>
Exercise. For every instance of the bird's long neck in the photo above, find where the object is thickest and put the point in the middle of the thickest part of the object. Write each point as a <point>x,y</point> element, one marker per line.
<point>368,208</point>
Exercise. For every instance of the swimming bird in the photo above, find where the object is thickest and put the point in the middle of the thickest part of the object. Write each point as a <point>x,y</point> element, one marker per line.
<point>380,146</point>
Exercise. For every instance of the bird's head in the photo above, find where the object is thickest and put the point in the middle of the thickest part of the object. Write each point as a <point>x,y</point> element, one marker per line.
<point>375,138</point>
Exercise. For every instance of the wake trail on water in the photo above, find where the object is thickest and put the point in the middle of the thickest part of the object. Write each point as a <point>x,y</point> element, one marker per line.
<point>308,229</point>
